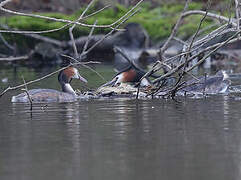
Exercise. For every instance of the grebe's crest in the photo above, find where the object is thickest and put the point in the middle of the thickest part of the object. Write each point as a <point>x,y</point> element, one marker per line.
<point>67,74</point>
<point>70,72</point>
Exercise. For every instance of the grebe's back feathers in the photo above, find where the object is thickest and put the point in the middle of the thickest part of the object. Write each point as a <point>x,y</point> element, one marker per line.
<point>44,95</point>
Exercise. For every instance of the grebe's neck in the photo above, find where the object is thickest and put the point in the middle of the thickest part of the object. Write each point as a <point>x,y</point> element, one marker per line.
<point>68,89</point>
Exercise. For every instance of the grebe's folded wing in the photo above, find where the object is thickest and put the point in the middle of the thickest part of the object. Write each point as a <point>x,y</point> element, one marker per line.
<point>218,83</point>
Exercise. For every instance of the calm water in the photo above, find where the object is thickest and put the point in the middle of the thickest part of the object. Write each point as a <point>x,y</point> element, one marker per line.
<point>125,139</point>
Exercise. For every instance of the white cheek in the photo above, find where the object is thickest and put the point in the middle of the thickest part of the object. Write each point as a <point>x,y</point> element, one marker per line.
<point>145,82</point>
<point>225,75</point>
<point>119,79</point>
<point>76,74</point>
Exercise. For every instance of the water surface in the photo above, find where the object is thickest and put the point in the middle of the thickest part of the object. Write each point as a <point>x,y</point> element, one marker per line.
<point>120,139</point>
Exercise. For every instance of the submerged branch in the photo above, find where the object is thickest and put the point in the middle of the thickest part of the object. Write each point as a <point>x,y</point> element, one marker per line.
<point>29,97</point>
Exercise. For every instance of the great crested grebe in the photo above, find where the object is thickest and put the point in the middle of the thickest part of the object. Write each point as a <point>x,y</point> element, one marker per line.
<point>131,74</point>
<point>50,95</point>
<point>219,83</point>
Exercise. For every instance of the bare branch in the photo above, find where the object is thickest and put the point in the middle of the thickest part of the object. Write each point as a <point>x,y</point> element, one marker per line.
<point>108,34</point>
<point>198,29</point>
<point>181,76</point>
<point>29,97</point>
<point>88,39</point>
<point>15,58</point>
<point>44,77</point>
<point>72,28</point>
<point>237,12</point>
<point>60,20</point>
<point>85,66</point>
<point>216,47</point>
<point>174,31</point>
<point>96,12</point>
<point>211,15</point>
<point>6,43</point>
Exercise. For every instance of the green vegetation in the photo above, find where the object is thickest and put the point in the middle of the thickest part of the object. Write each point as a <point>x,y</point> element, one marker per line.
<point>157,21</point>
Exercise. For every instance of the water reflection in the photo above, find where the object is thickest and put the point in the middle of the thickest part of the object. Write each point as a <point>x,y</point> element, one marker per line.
<point>122,139</point>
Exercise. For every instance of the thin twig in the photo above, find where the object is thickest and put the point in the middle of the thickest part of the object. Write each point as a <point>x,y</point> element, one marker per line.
<point>237,12</point>
<point>208,38</point>
<point>211,15</point>
<point>6,43</point>
<point>216,47</point>
<point>96,12</point>
<point>72,28</point>
<point>88,39</point>
<point>212,35</point>
<point>29,97</point>
<point>202,31</point>
<point>114,29</point>
<point>15,58</point>
<point>196,33</point>
<point>60,20</point>
<point>85,66</point>
<point>174,31</point>
<point>44,77</point>
<point>73,41</point>
<point>206,56</point>
<point>187,56</point>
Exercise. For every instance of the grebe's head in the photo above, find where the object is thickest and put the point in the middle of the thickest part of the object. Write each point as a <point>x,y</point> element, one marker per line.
<point>129,76</point>
<point>66,75</point>
<point>224,74</point>
<point>123,77</point>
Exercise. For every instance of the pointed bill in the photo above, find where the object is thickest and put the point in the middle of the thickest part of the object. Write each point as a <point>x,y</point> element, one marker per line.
<point>82,79</point>
<point>78,76</point>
